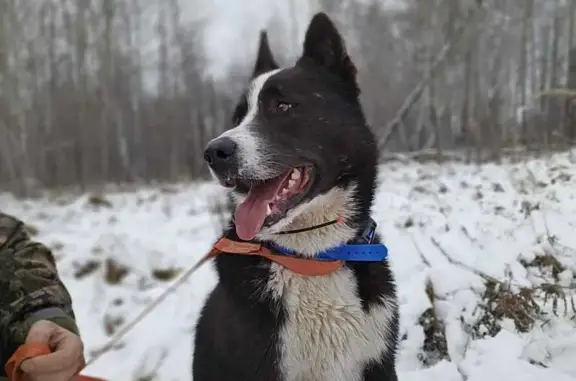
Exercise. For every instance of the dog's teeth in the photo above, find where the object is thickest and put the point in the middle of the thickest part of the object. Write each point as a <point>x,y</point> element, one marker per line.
<point>284,191</point>
<point>268,210</point>
<point>295,174</point>
<point>291,183</point>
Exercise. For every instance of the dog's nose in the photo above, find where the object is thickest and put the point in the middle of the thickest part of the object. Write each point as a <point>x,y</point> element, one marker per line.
<point>220,152</point>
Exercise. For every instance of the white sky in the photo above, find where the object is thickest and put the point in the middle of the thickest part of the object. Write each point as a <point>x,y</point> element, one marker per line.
<point>235,24</point>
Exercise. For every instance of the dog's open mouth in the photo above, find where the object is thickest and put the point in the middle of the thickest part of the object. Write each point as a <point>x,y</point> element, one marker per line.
<point>268,201</point>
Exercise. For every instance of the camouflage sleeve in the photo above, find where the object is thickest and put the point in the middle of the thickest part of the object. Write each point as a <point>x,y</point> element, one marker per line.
<point>30,289</point>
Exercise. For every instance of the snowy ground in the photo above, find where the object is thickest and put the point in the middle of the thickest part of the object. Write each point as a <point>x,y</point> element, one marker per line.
<point>451,229</point>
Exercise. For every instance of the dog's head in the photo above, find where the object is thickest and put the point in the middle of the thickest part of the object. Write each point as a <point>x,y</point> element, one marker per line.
<point>300,153</point>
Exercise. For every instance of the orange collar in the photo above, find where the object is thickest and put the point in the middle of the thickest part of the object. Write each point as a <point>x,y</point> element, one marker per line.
<point>302,266</point>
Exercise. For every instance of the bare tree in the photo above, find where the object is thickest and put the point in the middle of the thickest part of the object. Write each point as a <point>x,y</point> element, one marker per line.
<point>97,91</point>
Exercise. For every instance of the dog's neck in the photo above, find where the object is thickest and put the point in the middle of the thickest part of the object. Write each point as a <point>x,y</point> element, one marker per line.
<point>337,203</point>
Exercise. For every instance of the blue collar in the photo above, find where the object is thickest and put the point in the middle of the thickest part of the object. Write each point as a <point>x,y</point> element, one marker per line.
<point>362,249</point>
<point>371,252</point>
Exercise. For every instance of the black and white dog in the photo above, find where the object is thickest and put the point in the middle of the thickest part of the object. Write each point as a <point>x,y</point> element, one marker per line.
<point>300,155</point>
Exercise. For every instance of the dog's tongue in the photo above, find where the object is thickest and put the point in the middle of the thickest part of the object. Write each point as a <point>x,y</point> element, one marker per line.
<point>250,214</point>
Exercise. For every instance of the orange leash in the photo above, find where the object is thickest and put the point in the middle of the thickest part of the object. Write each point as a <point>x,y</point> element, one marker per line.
<point>302,266</point>
<point>27,351</point>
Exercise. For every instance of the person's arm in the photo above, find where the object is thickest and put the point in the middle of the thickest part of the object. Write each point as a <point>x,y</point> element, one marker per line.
<point>30,288</point>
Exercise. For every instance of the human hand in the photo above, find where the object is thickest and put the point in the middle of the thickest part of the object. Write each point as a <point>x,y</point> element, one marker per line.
<point>66,359</point>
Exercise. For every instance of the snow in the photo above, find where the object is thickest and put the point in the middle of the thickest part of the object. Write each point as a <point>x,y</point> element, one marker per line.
<point>454,225</point>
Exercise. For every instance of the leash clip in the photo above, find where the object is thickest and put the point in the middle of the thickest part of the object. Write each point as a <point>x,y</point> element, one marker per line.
<point>369,232</point>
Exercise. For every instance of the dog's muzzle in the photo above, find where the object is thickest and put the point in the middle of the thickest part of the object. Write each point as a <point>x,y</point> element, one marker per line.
<point>221,154</point>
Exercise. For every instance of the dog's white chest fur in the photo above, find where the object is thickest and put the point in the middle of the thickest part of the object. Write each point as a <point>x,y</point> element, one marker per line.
<point>328,336</point>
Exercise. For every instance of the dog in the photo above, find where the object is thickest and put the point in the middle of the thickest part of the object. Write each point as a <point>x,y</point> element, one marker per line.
<point>301,164</point>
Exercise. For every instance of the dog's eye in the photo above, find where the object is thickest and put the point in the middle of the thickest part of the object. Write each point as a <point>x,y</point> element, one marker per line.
<point>283,106</point>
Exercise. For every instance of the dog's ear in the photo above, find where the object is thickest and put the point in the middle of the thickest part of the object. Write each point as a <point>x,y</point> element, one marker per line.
<point>265,60</point>
<point>325,47</point>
